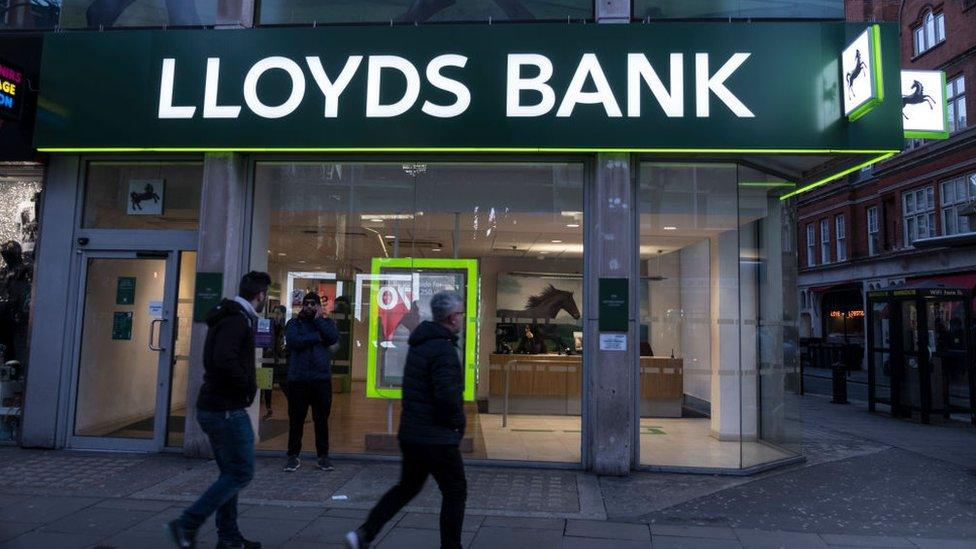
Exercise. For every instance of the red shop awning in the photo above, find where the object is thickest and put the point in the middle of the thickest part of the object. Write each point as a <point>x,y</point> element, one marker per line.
<point>966,281</point>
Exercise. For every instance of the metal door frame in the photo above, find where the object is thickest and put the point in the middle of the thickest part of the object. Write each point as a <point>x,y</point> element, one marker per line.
<point>164,365</point>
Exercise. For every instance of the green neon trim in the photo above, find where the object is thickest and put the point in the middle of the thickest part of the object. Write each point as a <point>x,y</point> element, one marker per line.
<point>838,175</point>
<point>470,330</point>
<point>945,112</point>
<point>877,87</point>
<point>450,150</point>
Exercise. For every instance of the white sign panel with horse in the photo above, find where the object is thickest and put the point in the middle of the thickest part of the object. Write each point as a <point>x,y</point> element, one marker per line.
<point>861,85</point>
<point>145,197</point>
<point>923,104</point>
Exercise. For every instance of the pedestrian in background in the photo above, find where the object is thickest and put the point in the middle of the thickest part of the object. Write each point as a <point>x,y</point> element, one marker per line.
<point>431,425</point>
<point>229,388</point>
<point>311,339</point>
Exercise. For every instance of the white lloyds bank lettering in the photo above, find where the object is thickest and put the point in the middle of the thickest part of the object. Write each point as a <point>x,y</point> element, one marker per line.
<point>528,88</point>
<point>251,87</point>
<point>166,108</point>
<point>716,84</point>
<point>332,90</point>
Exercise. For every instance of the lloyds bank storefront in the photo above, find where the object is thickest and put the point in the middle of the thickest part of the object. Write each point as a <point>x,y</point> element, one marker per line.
<point>614,202</point>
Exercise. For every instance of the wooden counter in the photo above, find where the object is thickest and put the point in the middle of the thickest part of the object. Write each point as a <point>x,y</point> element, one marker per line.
<point>548,377</point>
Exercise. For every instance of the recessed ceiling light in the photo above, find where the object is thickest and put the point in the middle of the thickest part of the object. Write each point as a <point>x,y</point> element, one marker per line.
<point>573,225</point>
<point>302,261</point>
<point>543,253</point>
<point>435,249</point>
<point>376,220</point>
<point>282,254</point>
<point>556,241</point>
<point>670,228</point>
<point>390,236</point>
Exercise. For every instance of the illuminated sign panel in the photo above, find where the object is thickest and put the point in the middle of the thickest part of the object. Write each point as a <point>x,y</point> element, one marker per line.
<point>11,91</point>
<point>923,102</point>
<point>861,66</point>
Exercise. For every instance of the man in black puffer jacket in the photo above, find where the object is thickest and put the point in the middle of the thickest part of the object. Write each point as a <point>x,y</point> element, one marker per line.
<point>229,387</point>
<point>431,425</point>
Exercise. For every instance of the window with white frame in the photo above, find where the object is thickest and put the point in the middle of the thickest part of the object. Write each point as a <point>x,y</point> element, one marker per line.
<point>919,210</point>
<point>930,33</point>
<point>956,102</point>
<point>957,193</point>
<point>841,233</point>
<point>811,260</point>
<point>824,241</point>
<point>874,240</point>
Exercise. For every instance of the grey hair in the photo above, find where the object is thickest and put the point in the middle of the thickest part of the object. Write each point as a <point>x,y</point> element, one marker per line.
<point>443,304</point>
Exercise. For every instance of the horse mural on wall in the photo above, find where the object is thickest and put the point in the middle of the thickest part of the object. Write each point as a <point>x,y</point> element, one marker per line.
<point>859,67</point>
<point>917,96</point>
<point>138,198</point>
<point>545,305</point>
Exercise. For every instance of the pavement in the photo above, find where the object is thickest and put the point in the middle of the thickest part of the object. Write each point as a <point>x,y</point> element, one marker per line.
<point>868,481</point>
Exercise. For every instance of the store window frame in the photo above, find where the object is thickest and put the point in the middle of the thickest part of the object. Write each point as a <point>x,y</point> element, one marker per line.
<point>588,164</point>
<point>874,235</point>
<point>824,241</point>
<point>487,21</point>
<point>929,33</point>
<point>913,215</point>
<point>956,103</point>
<point>811,246</point>
<point>841,239</point>
<point>951,203</point>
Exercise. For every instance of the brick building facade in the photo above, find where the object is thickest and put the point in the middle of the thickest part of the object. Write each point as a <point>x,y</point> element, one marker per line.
<point>903,221</point>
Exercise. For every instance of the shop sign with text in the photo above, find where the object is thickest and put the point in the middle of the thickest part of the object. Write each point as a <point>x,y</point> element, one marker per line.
<point>11,91</point>
<point>675,85</point>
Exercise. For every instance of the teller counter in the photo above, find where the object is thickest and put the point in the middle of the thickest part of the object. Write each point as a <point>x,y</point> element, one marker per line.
<point>552,385</point>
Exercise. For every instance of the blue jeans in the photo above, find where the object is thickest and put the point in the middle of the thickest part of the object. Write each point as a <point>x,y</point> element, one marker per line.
<point>232,440</point>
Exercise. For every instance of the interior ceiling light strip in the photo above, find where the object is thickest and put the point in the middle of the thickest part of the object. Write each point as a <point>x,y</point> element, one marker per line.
<point>838,175</point>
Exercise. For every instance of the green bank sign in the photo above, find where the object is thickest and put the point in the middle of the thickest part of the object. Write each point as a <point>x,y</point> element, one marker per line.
<point>771,87</point>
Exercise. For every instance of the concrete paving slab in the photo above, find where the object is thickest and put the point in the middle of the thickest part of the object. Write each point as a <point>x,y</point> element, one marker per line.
<point>672,542</point>
<point>430,521</point>
<point>759,539</point>
<point>929,543</point>
<point>44,508</point>
<point>419,538</point>
<point>137,539</point>
<point>286,512</point>
<point>49,540</point>
<point>607,530</point>
<point>156,522</point>
<point>851,540</point>
<point>134,504</point>
<point>525,522</point>
<point>495,537</point>
<point>704,532</point>
<point>327,529</point>
<point>97,521</point>
<point>10,530</point>
<point>270,532</point>
<point>595,543</point>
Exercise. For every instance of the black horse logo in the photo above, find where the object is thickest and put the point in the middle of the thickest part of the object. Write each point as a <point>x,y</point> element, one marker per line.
<point>917,96</point>
<point>851,76</point>
<point>146,194</point>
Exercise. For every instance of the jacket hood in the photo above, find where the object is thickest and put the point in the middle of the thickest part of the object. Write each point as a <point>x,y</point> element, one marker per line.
<point>226,308</point>
<point>428,330</point>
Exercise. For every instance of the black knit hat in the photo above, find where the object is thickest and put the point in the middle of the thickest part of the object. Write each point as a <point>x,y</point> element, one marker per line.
<point>312,296</point>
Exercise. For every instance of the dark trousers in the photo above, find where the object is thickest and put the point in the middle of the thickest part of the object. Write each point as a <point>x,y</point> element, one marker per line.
<point>232,440</point>
<point>444,463</point>
<point>301,395</point>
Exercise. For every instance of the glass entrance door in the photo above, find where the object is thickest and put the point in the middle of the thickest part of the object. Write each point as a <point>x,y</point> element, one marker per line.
<point>128,342</point>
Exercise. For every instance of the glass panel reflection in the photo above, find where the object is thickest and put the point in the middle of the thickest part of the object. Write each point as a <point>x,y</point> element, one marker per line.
<point>94,14</point>
<point>279,12</point>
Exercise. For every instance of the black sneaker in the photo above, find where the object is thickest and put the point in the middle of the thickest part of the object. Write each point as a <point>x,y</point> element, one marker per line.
<point>181,536</point>
<point>356,539</point>
<point>292,464</point>
<point>239,544</point>
<point>325,464</point>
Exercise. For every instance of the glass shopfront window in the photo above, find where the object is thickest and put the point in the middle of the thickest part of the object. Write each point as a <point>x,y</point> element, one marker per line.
<point>286,12</point>
<point>717,318</point>
<point>376,239</point>
<point>94,14</point>
<point>738,9</point>
<point>142,195</point>
<point>20,199</point>
<point>33,14</point>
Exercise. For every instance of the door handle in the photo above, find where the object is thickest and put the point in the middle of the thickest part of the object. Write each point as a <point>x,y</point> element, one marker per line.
<point>152,325</point>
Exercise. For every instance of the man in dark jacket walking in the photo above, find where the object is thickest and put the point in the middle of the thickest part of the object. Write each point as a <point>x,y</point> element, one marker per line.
<point>229,387</point>
<point>311,340</point>
<point>431,425</point>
